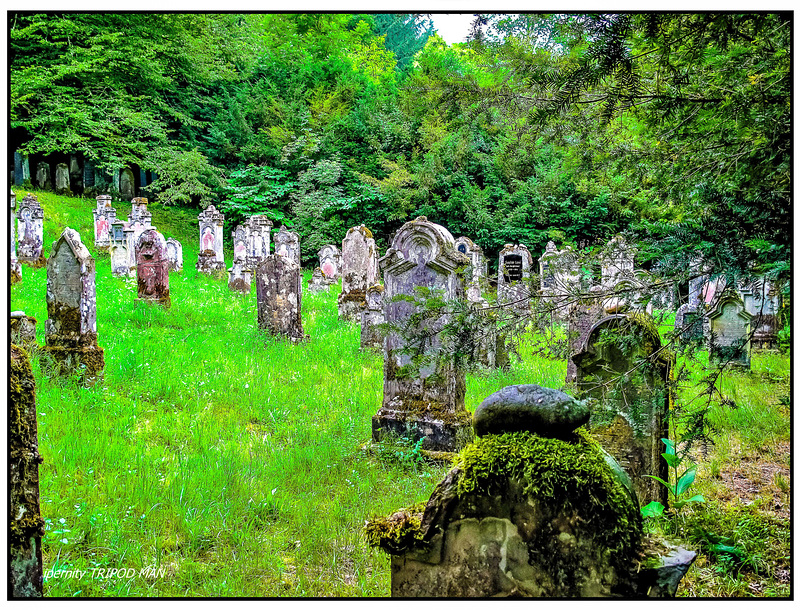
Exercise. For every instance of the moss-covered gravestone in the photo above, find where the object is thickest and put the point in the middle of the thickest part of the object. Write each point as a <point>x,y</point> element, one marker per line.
<point>22,330</point>
<point>727,330</point>
<point>26,526</point>
<point>279,296</point>
<point>622,367</point>
<point>71,326</point>
<point>422,398</point>
<point>533,508</point>
<point>371,317</point>
<point>359,271</point>
<point>240,277</point>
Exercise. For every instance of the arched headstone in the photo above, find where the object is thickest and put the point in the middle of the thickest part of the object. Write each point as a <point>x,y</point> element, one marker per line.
<point>514,276</point>
<point>30,231</point>
<point>211,259</point>
<point>127,184</point>
<point>359,271</point>
<point>330,262</point>
<point>727,331</point>
<point>287,243</point>
<point>175,254</point>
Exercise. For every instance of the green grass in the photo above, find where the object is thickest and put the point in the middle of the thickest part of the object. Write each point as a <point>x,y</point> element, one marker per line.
<point>235,462</point>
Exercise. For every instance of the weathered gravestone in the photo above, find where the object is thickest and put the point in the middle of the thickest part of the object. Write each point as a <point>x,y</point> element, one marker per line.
<point>211,259</point>
<point>532,508</point>
<point>727,330</point>
<point>22,170</point>
<point>689,316</point>
<point>359,271</point>
<point>258,239</point>
<point>279,297</point>
<point>104,216</point>
<point>75,173</point>
<point>89,178</point>
<point>513,276</point>
<point>616,261</point>
<point>22,330</point>
<point>240,277</point>
<point>71,326</point>
<point>121,250</point>
<point>30,231</point>
<point>152,268</point>
<point>560,280</point>
<point>330,263</point>
<point>622,367</point>
<point>26,526</point>
<point>762,301</point>
<point>140,217</point>
<point>581,318</point>
<point>15,268</point>
<point>127,184</point>
<point>175,254</point>
<point>424,401</point>
<point>43,182</point>
<point>478,267</point>
<point>287,243</point>
<point>371,317</point>
<point>240,239</point>
<point>62,179</point>
<point>318,283</point>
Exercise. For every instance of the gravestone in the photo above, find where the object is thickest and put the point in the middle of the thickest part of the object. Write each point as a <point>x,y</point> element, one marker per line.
<point>89,178</point>
<point>513,277</point>
<point>581,318</point>
<point>279,297</point>
<point>175,254</point>
<point>318,283</point>
<point>727,330</point>
<point>240,277</point>
<point>121,250</point>
<point>22,330</point>
<point>762,301</point>
<point>104,216</point>
<point>622,367</point>
<point>211,259</point>
<point>425,402</point>
<point>241,237</point>
<point>559,279</point>
<point>534,508</point>
<point>22,171</point>
<point>616,262</point>
<point>152,268</point>
<point>43,182</point>
<point>30,232</point>
<point>26,526</point>
<point>478,268</point>
<point>359,270</point>
<point>140,217</point>
<point>372,315</point>
<point>287,243</point>
<point>62,179</point>
<point>688,324</point>
<point>71,326</point>
<point>15,268</point>
<point>258,239</point>
<point>330,263</point>
<point>75,173</point>
<point>127,184</point>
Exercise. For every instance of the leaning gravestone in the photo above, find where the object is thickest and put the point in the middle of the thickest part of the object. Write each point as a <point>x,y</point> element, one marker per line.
<point>152,268</point>
<point>15,268</point>
<point>240,277</point>
<point>359,271</point>
<point>43,182</point>
<point>622,366</point>
<point>104,216</point>
<point>22,330</point>
<point>330,263</point>
<point>127,188</point>
<point>26,526</point>
<point>71,326</point>
<point>121,250</point>
<point>287,243</point>
<point>318,283</point>
<point>478,267</point>
<point>62,179</point>
<point>211,259</point>
<point>30,231</point>
<point>532,508</point>
<point>513,276</point>
<point>424,402</point>
<point>727,330</point>
<point>175,254</point>
<point>279,297</point>
<point>371,317</point>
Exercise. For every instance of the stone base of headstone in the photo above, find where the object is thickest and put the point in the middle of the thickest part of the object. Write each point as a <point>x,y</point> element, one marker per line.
<point>242,283</point>
<point>26,526</point>
<point>371,338</point>
<point>351,305</point>
<point>165,301</point>
<point>765,335</point>
<point>22,330</point>
<point>36,263</point>
<point>208,264</point>
<point>86,362</point>
<point>15,272</point>
<point>440,433</point>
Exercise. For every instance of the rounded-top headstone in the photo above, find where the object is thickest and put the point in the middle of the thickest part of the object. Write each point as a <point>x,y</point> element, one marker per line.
<point>530,408</point>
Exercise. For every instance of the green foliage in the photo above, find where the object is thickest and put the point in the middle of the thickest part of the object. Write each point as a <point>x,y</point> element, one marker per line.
<point>681,482</point>
<point>256,190</point>
<point>184,177</point>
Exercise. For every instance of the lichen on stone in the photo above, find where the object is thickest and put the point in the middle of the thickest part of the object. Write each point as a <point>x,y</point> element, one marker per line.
<point>398,531</point>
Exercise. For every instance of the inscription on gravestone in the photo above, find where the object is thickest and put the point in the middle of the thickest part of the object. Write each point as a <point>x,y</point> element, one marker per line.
<point>513,268</point>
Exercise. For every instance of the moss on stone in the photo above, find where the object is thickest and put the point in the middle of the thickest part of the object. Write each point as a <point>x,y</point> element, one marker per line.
<point>397,532</point>
<point>415,409</point>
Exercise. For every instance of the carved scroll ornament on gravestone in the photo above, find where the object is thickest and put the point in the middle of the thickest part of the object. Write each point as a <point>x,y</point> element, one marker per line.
<point>359,263</point>
<point>152,268</point>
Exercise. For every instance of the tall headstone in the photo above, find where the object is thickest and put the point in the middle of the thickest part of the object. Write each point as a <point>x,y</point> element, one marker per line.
<point>30,231</point>
<point>15,268</point>
<point>287,243</point>
<point>622,367</point>
<point>762,301</point>
<point>43,182</point>
<point>727,330</point>
<point>240,276</point>
<point>115,178</point>
<point>152,268</point>
<point>62,179</point>
<point>559,278</point>
<point>258,239</point>
<point>421,401</point>
<point>122,250</point>
<point>478,267</point>
<point>330,263</point>
<point>104,217</point>
<point>26,526</point>
<point>22,171</point>
<point>617,261</point>
<point>514,276</point>
<point>22,330</point>
<point>211,259</point>
<point>75,174</point>
<point>140,218</point>
<point>371,317</point>
<point>71,326</point>
<point>175,254</point>
<point>279,297</point>
<point>89,179</point>
<point>359,271</point>
<point>582,317</point>
<point>127,184</point>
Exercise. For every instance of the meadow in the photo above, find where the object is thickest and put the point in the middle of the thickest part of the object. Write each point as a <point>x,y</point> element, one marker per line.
<point>215,460</point>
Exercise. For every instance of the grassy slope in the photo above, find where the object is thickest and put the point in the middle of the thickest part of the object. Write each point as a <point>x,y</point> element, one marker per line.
<point>234,462</point>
